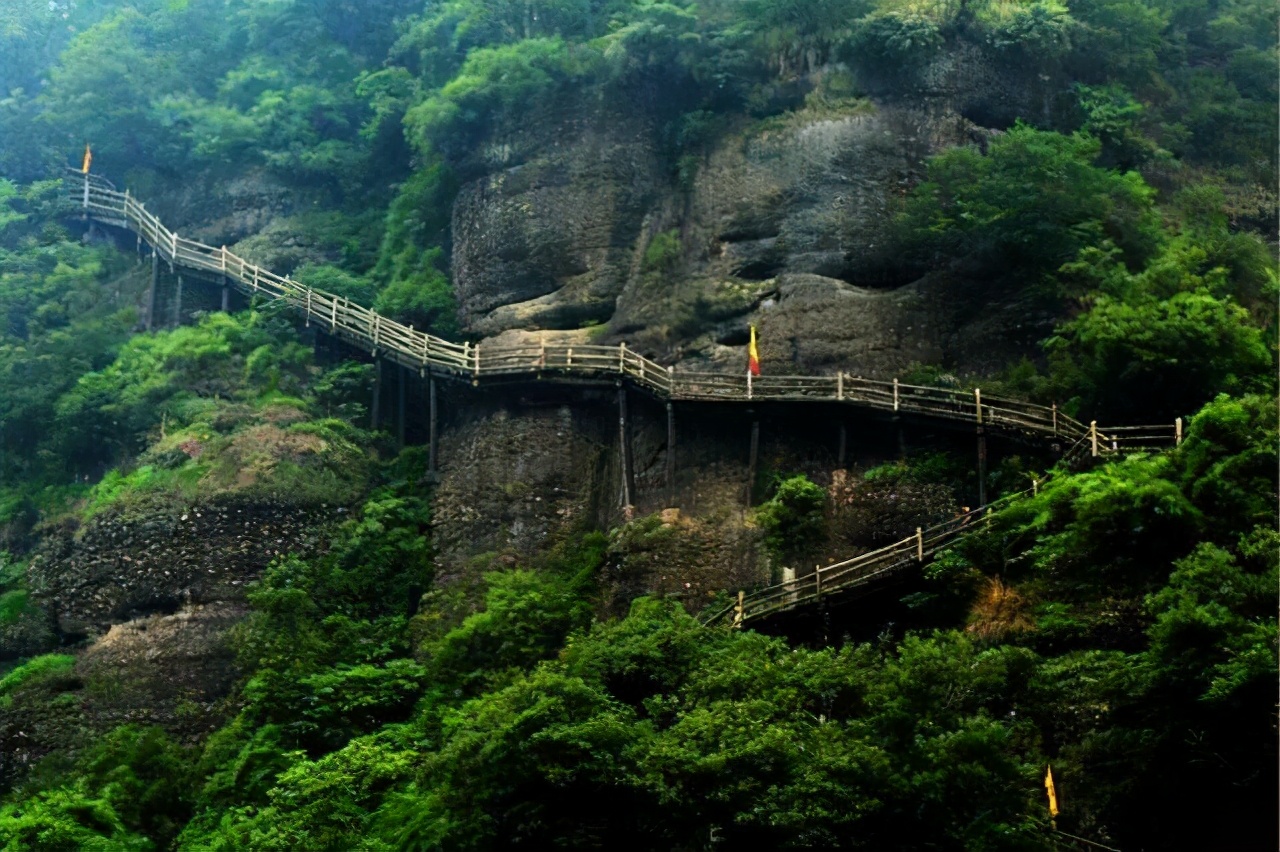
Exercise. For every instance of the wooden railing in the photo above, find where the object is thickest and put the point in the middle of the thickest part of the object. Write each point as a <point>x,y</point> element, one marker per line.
<point>386,338</point>
<point>850,575</point>
<point>424,352</point>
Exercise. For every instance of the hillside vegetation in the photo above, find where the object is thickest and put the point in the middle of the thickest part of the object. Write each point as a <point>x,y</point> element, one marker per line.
<point>1119,625</point>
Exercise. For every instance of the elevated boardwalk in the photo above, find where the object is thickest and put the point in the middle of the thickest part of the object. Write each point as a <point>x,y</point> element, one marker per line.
<point>436,357</point>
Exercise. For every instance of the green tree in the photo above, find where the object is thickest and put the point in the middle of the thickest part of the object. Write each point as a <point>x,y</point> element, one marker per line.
<point>1029,205</point>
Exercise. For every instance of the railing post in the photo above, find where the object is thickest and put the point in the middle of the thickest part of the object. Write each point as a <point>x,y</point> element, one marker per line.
<point>627,462</point>
<point>376,318</point>
<point>817,582</point>
<point>86,192</point>
<point>977,401</point>
<point>1093,437</point>
<point>1177,432</point>
<point>475,375</point>
<point>895,394</point>
<point>306,320</point>
<point>433,436</point>
<point>622,358</point>
<point>671,451</point>
<point>1035,487</point>
<point>1055,420</point>
<point>919,544</point>
<point>739,610</point>
<point>224,260</point>
<point>333,307</point>
<point>749,390</point>
<point>542,353</point>
<point>840,386</point>
<point>568,358</point>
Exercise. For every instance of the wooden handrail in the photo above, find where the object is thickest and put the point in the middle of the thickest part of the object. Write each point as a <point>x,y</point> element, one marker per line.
<point>98,198</point>
<point>838,577</point>
<point>412,348</point>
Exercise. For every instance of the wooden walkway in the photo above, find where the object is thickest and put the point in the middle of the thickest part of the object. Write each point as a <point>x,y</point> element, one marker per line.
<point>431,355</point>
<point>404,345</point>
<point>865,572</point>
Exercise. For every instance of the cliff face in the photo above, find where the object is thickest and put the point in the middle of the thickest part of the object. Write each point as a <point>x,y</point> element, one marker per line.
<point>784,223</point>
<point>583,225</point>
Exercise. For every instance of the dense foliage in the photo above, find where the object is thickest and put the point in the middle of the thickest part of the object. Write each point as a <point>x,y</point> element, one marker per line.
<point>1119,625</point>
<point>525,721</point>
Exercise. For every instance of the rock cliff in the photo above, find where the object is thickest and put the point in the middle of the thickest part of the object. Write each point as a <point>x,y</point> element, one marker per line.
<point>784,223</point>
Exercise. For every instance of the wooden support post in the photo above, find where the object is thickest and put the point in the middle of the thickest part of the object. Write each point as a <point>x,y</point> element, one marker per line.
<point>919,544</point>
<point>739,610</point>
<point>622,358</point>
<point>840,386</point>
<point>1055,420</point>
<point>748,384</point>
<point>624,446</point>
<point>433,445</point>
<point>1177,432</point>
<point>400,393</point>
<point>817,582</point>
<point>377,394</point>
<point>844,440</point>
<point>177,304</point>
<point>151,292</point>
<point>977,401</point>
<point>982,468</point>
<point>1035,487</point>
<point>671,451</point>
<point>475,375</point>
<point>751,461</point>
<point>895,394</point>
<point>1093,438</point>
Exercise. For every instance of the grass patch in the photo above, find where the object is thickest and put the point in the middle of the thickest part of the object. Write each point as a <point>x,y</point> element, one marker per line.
<point>33,671</point>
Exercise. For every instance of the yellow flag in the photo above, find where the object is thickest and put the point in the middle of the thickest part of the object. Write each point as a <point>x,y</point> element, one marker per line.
<point>1053,794</point>
<point>88,159</point>
<point>753,355</point>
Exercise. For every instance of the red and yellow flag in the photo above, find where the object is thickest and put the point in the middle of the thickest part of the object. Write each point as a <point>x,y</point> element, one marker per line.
<point>1053,794</point>
<point>88,159</point>
<point>753,355</point>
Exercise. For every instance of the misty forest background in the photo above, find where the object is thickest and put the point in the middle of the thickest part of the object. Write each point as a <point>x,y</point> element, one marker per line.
<point>1121,625</point>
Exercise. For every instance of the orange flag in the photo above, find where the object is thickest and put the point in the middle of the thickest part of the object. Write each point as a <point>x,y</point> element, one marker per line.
<point>1053,794</point>
<point>753,355</point>
<point>88,159</point>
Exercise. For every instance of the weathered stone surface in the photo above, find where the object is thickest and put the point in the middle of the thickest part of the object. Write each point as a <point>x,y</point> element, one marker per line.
<point>175,671</point>
<point>118,567</point>
<point>513,486</point>
<point>170,670</point>
<point>684,558</point>
<point>548,242</point>
<point>784,224</point>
